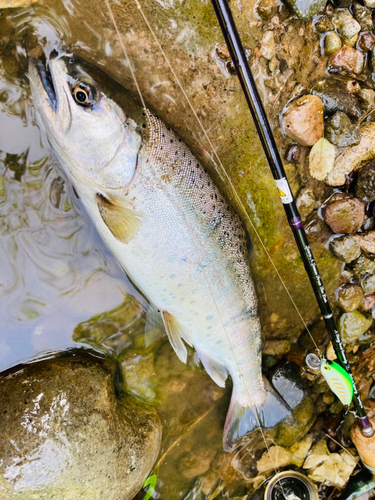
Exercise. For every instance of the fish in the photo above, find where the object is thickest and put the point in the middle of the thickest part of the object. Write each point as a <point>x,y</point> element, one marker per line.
<point>167,224</point>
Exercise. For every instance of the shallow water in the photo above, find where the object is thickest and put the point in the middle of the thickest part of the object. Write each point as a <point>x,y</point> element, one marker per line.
<point>56,274</point>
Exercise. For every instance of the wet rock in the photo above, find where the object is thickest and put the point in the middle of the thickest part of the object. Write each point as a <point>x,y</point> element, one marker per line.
<point>335,97</point>
<point>348,58</point>
<point>294,153</point>
<point>332,43</point>
<point>305,9</point>
<point>366,41</point>
<point>365,185</point>
<point>339,130</point>
<point>345,248</point>
<point>355,157</point>
<point>303,120</point>
<point>138,370</point>
<point>314,228</point>
<point>305,202</point>
<point>349,297</point>
<point>363,265</point>
<point>352,325</point>
<point>266,8</point>
<point>276,347</point>
<point>368,302</point>
<point>368,284</point>
<point>66,435</point>
<point>287,381</point>
<point>321,159</point>
<point>323,24</point>
<point>366,98</point>
<point>267,45</point>
<point>363,15</point>
<point>344,216</point>
<point>345,23</point>
<point>366,241</point>
<point>369,3</point>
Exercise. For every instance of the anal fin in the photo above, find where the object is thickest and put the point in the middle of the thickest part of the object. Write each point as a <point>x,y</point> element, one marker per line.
<point>121,219</point>
<point>176,334</point>
<point>216,370</point>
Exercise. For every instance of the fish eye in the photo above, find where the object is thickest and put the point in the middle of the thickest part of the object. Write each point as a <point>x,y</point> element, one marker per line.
<point>85,93</point>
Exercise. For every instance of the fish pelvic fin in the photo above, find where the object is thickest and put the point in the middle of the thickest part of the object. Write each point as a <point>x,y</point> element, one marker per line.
<point>119,216</point>
<point>176,334</point>
<point>242,419</point>
<point>215,369</point>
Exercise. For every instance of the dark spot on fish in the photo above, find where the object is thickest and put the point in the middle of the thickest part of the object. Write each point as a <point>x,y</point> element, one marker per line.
<point>144,125</point>
<point>171,141</point>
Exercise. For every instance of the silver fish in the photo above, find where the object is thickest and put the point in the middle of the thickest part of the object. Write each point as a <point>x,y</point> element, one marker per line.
<point>166,223</point>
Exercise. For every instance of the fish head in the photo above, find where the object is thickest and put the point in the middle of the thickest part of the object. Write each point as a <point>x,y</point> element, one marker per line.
<point>90,134</point>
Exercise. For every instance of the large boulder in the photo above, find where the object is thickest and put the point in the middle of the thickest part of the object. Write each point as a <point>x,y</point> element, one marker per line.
<point>69,433</point>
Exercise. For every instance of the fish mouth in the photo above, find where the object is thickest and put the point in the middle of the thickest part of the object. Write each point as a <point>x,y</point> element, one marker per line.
<point>46,79</point>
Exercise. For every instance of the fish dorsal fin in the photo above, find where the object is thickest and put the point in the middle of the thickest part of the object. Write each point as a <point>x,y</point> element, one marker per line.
<point>213,367</point>
<point>176,332</point>
<point>119,216</point>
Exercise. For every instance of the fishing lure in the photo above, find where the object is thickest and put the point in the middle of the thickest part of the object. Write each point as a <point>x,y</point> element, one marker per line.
<point>338,380</point>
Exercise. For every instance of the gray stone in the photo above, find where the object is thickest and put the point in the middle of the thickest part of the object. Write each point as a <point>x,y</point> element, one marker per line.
<point>352,325</point>
<point>345,23</point>
<point>363,15</point>
<point>345,248</point>
<point>339,130</point>
<point>305,9</point>
<point>66,434</point>
<point>368,284</point>
<point>336,97</point>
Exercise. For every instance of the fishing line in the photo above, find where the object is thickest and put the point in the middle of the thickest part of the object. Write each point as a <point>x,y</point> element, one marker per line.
<point>223,170</point>
<point>193,240</point>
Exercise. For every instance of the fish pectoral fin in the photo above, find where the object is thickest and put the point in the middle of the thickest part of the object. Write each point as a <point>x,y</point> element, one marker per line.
<point>176,334</point>
<point>215,368</point>
<point>121,219</point>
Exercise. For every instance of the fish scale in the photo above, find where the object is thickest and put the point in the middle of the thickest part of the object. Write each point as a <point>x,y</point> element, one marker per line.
<point>168,226</point>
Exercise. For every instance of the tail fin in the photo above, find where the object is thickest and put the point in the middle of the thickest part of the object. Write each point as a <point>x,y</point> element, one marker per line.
<point>241,419</point>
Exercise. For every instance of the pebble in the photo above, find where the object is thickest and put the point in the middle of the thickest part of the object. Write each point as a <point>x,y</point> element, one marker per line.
<point>352,325</point>
<point>349,297</point>
<point>345,248</point>
<point>366,98</point>
<point>196,463</point>
<point>266,9</point>
<point>294,153</point>
<point>303,120</point>
<point>305,202</point>
<point>339,130</point>
<point>267,45</point>
<point>344,216</point>
<point>66,433</point>
<point>363,265</point>
<point>335,97</point>
<point>355,157</point>
<point>368,284</point>
<point>369,3</point>
<point>323,24</point>
<point>366,41</point>
<point>305,9</point>
<point>348,58</point>
<point>332,43</point>
<point>365,185</point>
<point>366,241</point>
<point>368,302</point>
<point>350,42</point>
<point>276,347</point>
<point>363,15</point>
<point>345,23</point>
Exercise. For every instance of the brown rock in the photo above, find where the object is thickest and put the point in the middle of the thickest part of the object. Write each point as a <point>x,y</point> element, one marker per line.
<point>366,241</point>
<point>349,297</point>
<point>366,41</point>
<point>303,120</point>
<point>344,216</point>
<point>368,302</point>
<point>348,58</point>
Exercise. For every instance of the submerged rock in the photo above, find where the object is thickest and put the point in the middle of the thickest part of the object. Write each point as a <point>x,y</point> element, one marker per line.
<point>363,15</point>
<point>335,97</point>
<point>305,202</point>
<point>67,435</point>
<point>368,284</point>
<point>339,130</point>
<point>366,41</point>
<point>352,325</point>
<point>303,120</point>
<point>366,241</point>
<point>332,43</point>
<point>345,248</point>
<point>345,215</point>
<point>345,24</point>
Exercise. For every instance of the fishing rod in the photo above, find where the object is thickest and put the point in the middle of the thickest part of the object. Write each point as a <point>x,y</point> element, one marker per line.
<point>237,53</point>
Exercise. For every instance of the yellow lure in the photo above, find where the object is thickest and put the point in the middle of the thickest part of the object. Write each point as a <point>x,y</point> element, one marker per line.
<point>338,380</point>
